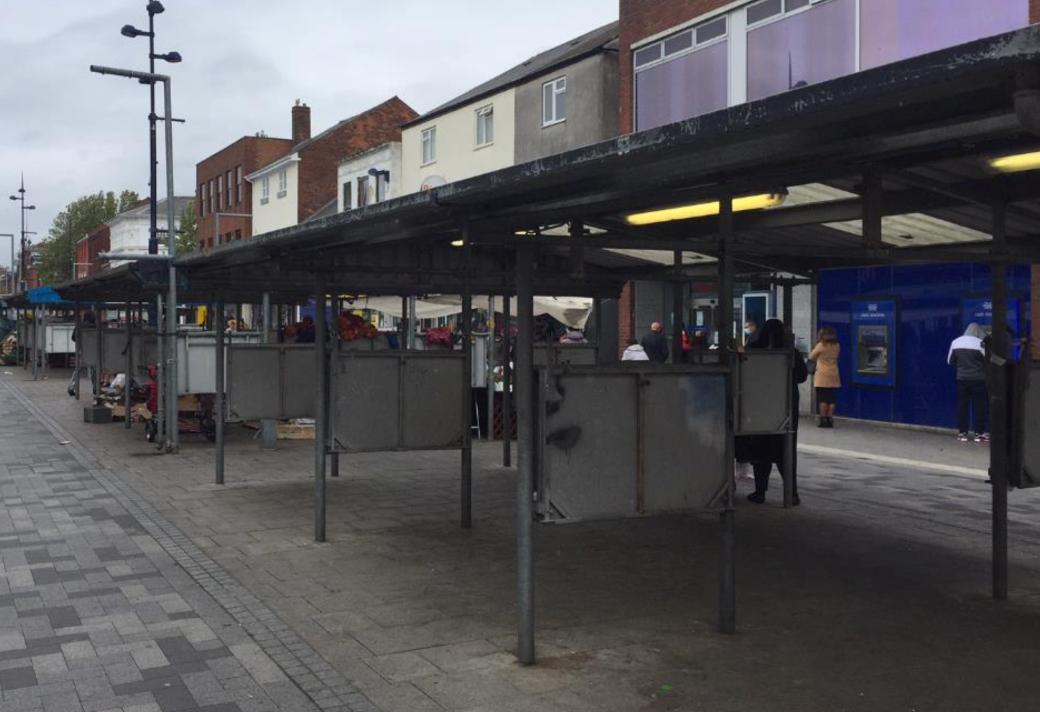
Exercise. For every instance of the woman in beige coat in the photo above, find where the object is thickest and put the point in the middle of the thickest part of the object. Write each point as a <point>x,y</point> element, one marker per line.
<point>826,380</point>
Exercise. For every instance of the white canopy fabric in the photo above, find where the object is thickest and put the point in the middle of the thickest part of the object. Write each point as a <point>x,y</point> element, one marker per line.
<point>572,311</point>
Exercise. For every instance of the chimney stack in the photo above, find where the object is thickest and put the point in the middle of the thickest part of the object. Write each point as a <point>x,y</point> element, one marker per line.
<point>301,122</point>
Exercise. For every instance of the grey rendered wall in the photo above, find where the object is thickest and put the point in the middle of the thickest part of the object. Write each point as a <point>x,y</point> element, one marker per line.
<point>592,109</point>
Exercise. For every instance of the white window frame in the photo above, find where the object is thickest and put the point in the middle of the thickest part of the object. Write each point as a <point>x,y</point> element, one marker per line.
<point>283,182</point>
<point>694,46</point>
<point>238,192</point>
<point>485,120</point>
<point>559,86</point>
<point>265,190</point>
<point>428,137</point>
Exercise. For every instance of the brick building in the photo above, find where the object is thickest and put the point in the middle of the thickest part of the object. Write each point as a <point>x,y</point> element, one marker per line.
<point>302,181</point>
<point>684,58</point>
<point>221,187</point>
<point>88,248</point>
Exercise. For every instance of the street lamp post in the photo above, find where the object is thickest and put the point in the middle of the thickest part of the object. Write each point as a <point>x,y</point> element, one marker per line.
<point>21,198</point>
<point>171,233</point>
<point>154,8</point>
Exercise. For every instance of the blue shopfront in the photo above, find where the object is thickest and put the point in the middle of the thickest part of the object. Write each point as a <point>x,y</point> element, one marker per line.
<point>895,325</point>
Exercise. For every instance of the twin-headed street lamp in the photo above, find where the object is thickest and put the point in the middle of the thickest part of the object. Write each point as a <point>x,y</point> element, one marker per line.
<point>154,8</point>
<point>21,198</point>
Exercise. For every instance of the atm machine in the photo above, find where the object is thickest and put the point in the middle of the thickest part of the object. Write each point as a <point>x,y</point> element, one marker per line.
<point>979,310</point>
<point>875,334</point>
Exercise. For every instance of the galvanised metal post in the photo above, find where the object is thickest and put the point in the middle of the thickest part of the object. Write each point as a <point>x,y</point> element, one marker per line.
<point>330,389</point>
<point>507,385</point>
<point>412,320</point>
<point>1000,432</point>
<point>269,430</point>
<point>677,310</point>
<point>127,402</point>
<point>489,371</point>
<point>727,581</point>
<point>160,372</point>
<point>220,329</point>
<point>525,458</point>
<point>99,345</point>
<point>466,499</point>
<point>78,348</point>
<point>171,235</point>
<point>320,414</point>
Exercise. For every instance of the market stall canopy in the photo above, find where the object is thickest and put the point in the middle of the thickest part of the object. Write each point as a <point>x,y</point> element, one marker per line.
<point>571,311</point>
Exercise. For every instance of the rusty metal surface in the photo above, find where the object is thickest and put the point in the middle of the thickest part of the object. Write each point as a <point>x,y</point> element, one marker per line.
<point>621,442</point>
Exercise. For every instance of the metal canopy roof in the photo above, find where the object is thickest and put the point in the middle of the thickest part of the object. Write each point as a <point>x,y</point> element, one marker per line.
<point>924,125</point>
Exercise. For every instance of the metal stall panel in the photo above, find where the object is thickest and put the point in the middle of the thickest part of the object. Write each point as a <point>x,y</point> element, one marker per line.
<point>270,381</point>
<point>763,392</point>
<point>432,398</point>
<point>1029,431</point>
<point>88,346</point>
<point>196,359</point>
<point>620,442</point>
<point>59,339</point>
<point>397,400</point>
<point>574,354</point>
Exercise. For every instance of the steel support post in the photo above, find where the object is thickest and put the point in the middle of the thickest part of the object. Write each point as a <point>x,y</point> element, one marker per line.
<point>677,311</point>
<point>405,344</point>
<point>507,385</point>
<point>160,371</point>
<point>42,343</point>
<point>220,331</point>
<point>127,400</point>
<point>413,321</point>
<point>788,315</point>
<point>1000,432</point>
<point>489,372</point>
<point>78,349</point>
<point>525,457</point>
<point>466,483</point>
<point>268,426</point>
<point>320,414</point>
<point>36,342</point>
<point>334,465</point>
<point>99,321</point>
<point>171,300</point>
<point>727,553</point>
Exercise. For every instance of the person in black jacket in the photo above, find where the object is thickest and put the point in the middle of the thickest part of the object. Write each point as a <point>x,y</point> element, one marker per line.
<point>968,355</point>
<point>655,344</point>
<point>763,451</point>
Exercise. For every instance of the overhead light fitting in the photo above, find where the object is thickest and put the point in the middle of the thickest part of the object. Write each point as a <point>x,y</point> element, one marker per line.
<point>457,243</point>
<point>703,210</point>
<point>1017,162</point>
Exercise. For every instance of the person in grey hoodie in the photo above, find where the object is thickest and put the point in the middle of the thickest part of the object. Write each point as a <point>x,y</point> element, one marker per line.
<point>968,356</point>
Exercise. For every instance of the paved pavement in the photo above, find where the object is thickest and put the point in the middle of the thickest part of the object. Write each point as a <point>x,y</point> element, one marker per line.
<point>871,596</point>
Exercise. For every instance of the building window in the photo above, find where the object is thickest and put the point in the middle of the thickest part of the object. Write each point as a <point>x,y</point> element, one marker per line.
<point>382,185</point>
<point>348,203</point>
<point>220,192</point>
<point>212,197</point>
<point>202,200</point>
<point>429,145</point>
<point>806,45</point>
<point>362,191</point>
<point>684,75</point>
<point>238,234</point>
<point>265,190</point>
<point>283,182</point>
<point>227,182</point>
<point>899,29</point>
<point>554,101</point>
<point>238,178</point>
<point>485,126</point>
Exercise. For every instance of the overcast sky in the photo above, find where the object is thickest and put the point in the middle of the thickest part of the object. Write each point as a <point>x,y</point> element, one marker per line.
<point>245,62</point>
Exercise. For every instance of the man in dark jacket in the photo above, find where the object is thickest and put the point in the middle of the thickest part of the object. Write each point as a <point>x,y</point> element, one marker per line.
<point>968,356</point>
<point>655,344</point>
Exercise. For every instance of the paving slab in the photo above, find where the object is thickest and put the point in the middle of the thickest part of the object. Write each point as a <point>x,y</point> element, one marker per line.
<point>870,596</point>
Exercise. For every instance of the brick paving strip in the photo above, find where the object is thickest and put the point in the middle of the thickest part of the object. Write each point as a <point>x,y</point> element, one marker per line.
<point>105,605</point>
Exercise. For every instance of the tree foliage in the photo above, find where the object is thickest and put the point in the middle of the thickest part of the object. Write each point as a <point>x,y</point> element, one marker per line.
<point>187,234</point>
<point>78,219</point>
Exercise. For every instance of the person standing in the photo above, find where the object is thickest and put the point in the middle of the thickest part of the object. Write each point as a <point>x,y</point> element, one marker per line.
<point>634,352</point>
<point>968,356</point>
<point>826,379</point>
<point>655,345</point>
<point>763,451</point>
<point>750,331</point>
